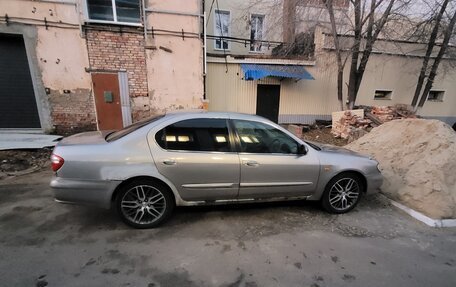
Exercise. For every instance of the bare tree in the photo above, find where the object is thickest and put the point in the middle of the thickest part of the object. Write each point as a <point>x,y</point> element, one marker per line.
<point>448,32</point>
<point>367,25</point>
<point>429,49</point>
<point>366,29</point>
<point>340,64</point>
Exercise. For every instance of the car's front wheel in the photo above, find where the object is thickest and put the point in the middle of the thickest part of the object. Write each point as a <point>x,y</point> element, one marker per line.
<point>342,193</point>
<point>144,203</point>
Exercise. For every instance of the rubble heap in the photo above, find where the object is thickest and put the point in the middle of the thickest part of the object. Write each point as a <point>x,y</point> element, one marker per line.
<point>382,114</point>
<point>417,159</point>
<point>351,126</point>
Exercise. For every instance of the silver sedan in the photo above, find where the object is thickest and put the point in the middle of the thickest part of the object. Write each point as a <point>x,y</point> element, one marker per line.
<point>198,158</point>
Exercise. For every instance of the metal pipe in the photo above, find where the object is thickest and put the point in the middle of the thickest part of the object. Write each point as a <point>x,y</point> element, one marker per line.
<point>65,2</point>
<point>41,21</point>
<point>78,10</point>
<point>204,56</point>
<point>205,44</point>
<point>173,12</point>
<point>144,21</point>
<point>227,38</point>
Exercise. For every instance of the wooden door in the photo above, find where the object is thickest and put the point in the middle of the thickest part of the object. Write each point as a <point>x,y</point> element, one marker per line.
<point>268,99</point>
<point>107,101</point>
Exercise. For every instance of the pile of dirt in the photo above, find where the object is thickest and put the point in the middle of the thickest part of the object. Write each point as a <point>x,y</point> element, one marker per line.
<point>323,135</point>
<point>418,160</point>
<point>18,162</point>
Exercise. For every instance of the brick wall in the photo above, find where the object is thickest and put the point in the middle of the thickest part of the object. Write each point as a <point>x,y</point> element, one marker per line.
<point>72,113</point>
<point>121,50</point>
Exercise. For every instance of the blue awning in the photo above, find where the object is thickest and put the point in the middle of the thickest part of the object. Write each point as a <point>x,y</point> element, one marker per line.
<point>259,71</point>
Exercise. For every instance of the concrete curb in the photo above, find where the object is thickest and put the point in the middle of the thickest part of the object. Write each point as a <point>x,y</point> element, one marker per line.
<point>423,218</point>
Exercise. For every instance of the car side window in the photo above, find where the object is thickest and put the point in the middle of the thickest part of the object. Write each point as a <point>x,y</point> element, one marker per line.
<point>256,137</point>
<point>195,135</point>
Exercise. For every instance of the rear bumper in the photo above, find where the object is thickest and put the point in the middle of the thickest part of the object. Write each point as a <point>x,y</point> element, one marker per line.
<point>374,182</point>
<point>88,192</point>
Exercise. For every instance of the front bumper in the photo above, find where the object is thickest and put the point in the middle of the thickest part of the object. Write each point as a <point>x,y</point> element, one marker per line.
<point>88,192</point>
<point>374,182</point>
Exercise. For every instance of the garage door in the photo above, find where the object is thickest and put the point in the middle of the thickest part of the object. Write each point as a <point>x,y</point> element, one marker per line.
<point>17,100</point>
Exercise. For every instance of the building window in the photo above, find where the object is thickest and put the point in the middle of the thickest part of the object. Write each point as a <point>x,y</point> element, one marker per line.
<point>116,11</point>
<point>256,32</point>
<point>222,29</point>
<point>436,96</point>
<point>383,95</point>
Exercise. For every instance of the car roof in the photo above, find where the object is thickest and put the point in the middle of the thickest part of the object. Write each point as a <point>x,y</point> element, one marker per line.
<point>206,114</point>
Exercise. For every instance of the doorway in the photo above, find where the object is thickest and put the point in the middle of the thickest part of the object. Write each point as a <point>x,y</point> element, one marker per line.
<point>18,106</point>
<point>107,100</point>
<point>268,99</point>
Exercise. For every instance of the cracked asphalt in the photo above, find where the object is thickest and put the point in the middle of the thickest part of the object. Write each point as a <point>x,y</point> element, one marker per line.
<point>43,243</point>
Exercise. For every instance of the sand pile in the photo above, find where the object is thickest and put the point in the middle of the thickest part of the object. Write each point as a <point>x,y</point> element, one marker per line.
<point>418,160</point>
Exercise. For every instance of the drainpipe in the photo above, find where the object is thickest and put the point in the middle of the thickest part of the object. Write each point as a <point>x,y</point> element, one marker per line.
<point>66,2</point>
<point>204,55</point>
<point>144,20</point>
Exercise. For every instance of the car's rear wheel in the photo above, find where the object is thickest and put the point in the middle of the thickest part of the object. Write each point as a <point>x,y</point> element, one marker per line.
<point>342,193</point>
<point>144,203</point>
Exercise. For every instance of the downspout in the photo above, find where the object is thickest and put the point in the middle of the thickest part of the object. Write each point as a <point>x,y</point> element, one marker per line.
<point>81,17</point>
<point>204,55</point>
<point>203,12</point>
<point>65,2</point>
<point>144,21</point>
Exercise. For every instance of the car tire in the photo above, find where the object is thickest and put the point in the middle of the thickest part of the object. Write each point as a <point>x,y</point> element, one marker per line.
<point>342,193</point>
<point>144,203</point>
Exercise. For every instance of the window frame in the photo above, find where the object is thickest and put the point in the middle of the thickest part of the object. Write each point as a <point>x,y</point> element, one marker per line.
<point>114,14</point>
<point>262,32</point>
<point>232,148</point>
<point>443,92</point>
<point>229,30</point>
<point>384,98</point>
<point>238,139</point>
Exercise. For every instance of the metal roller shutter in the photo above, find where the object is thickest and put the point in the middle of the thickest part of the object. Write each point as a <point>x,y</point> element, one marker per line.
<point>17,99</point>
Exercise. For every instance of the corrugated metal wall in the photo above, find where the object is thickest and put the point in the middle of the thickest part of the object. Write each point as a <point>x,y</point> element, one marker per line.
<point>300,102</point>
<point>227,90</point>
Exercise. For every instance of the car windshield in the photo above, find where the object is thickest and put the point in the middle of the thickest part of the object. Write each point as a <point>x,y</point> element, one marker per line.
<point>131,128</point>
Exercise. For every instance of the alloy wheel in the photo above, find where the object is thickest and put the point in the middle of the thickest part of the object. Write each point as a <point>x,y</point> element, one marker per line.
<point>143,204</point>
<point>344,194</point>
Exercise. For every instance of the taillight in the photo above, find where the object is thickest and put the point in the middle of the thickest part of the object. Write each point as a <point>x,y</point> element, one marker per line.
<point>56,162</point>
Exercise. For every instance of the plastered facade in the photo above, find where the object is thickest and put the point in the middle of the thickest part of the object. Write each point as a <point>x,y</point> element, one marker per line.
<point>306,100</point>
<point>63,49</point>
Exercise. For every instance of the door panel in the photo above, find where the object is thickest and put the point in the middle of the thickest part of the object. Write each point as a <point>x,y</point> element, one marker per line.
<point>275,175</point>
<point>268,99</point>
<point>270,165</point>
<point>200,175</point>
<point>196,156</point>
<point>18,107</point>
<point>107,101</point>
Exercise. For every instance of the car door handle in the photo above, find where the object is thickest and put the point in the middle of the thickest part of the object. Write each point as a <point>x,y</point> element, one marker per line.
<point>169,162</point>
<point>250,163</point>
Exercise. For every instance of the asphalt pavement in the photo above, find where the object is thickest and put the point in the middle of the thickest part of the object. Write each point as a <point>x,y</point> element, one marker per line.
<point>44,243</point>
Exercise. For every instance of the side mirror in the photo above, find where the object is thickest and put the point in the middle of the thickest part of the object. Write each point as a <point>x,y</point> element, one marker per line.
<point>302,149</point>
